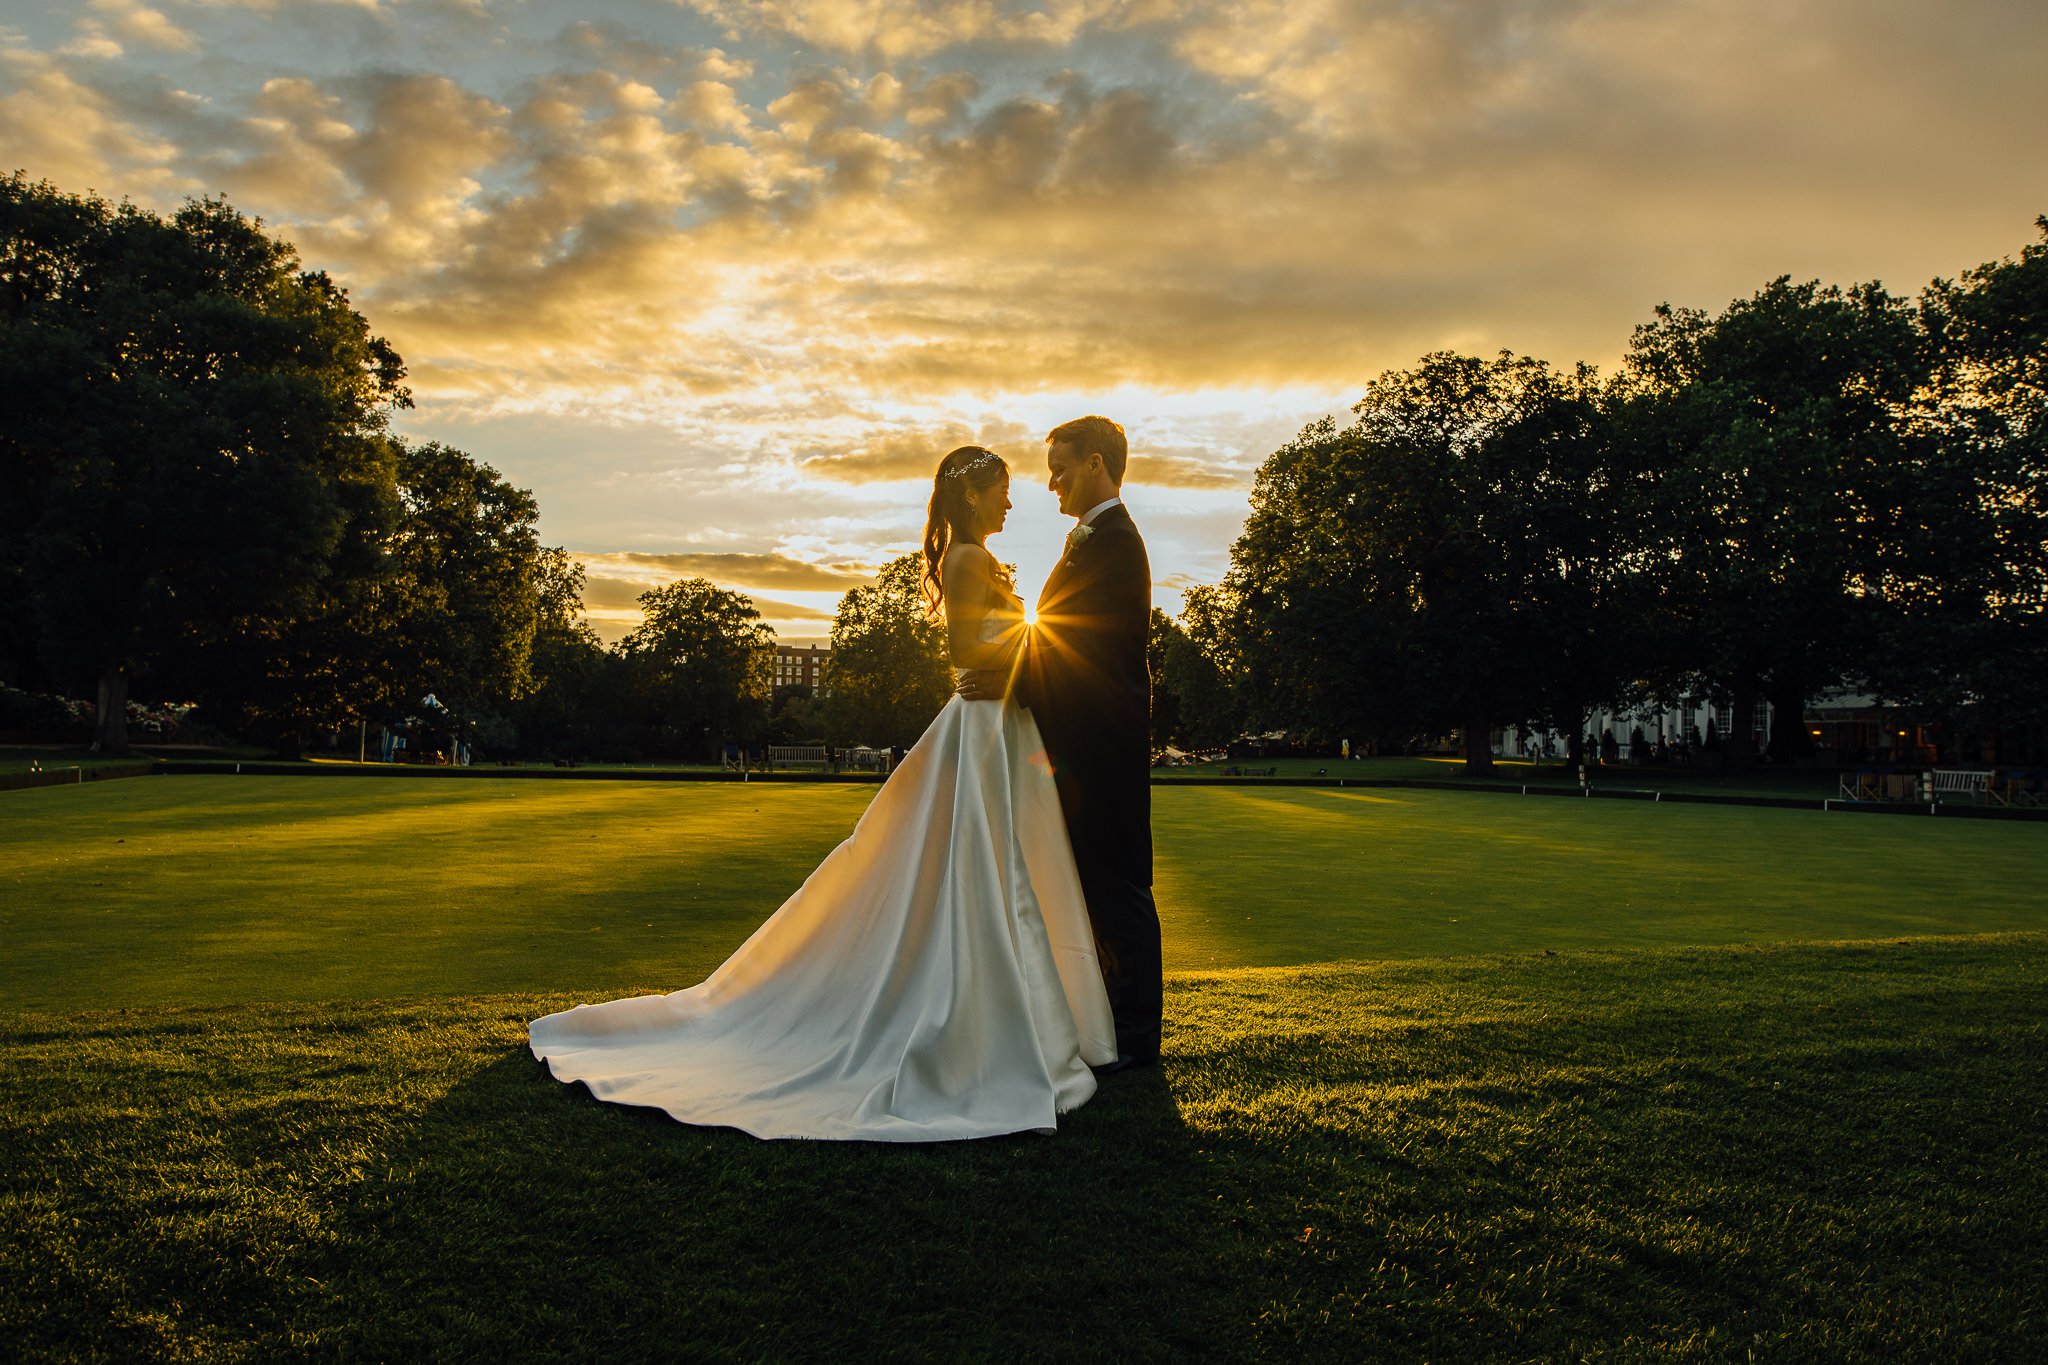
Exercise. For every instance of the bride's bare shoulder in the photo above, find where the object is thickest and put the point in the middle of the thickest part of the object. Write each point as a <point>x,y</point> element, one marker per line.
<point>967,558</point>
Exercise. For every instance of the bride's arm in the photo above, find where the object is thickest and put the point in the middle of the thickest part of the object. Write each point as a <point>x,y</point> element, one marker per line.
<point>977,635</point>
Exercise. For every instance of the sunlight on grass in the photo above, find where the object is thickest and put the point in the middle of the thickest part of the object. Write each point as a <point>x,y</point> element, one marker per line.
<point>205,889</point>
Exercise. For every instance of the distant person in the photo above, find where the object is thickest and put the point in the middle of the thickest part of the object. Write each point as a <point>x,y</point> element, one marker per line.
<point>936,977</point>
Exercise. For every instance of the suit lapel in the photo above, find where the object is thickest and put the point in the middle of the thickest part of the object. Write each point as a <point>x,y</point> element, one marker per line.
<point>1117,515</point>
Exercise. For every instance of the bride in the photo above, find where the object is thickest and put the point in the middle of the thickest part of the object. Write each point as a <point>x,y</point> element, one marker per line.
<point>935,977</point>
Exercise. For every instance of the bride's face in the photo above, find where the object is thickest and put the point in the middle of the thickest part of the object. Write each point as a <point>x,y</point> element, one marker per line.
<point>991,506</point>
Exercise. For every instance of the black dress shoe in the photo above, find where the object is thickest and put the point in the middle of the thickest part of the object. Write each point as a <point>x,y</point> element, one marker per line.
<point>1124,1062</point>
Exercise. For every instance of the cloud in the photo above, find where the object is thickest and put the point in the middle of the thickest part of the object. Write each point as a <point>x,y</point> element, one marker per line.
<point>58,126</point>
<point>744,570</point>
<point>141,24</point>
<point>789,611</point>
<point>914,453</point>
<point>814,243</point>
<point>891,30</point>
<point>1187,471</point>
<point>906,454</point>
<point>602,594</point>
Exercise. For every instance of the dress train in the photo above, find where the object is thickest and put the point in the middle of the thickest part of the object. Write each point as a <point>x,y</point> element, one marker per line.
<point>934,978</point>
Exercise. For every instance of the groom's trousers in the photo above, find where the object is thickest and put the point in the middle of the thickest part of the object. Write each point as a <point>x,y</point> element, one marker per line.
<point>1126,926</point>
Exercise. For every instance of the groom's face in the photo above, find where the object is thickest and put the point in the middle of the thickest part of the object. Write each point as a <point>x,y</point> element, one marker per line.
<point>1068,477</point>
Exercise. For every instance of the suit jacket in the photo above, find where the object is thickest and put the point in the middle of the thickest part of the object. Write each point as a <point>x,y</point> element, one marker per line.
<point>1085,679</point>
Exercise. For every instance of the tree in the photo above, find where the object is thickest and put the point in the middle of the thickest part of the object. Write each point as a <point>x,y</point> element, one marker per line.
<point>1969,638</point>
<point>570,705</point>
<point>1209,676</point>
<point>795,716</point>
<point>1192,703</point>
<point>1161,635</point>
<point>1784,482</point>
<point>191,421</point>
<point>699,669</point>
<point>1434,565</point>
<point>889,673</point>
<point>471,566</point>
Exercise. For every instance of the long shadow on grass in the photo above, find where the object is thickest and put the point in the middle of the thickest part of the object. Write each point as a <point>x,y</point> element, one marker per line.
<point>523,1211</point>
<point>1821,1152</point>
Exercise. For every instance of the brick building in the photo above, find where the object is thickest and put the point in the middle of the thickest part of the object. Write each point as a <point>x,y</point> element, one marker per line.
<point>803,664</point>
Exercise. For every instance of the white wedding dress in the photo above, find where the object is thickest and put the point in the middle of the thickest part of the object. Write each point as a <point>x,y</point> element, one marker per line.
<point>935,978</point>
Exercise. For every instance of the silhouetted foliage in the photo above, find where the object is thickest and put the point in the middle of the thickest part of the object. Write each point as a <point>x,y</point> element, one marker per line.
<point>1438,563</point>
<point>1785,488</point>
<point>888,674</point>
<point>698,670</point>
<point>193,423</point>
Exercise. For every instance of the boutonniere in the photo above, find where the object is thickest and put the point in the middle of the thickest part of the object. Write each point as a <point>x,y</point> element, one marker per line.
<point>1076,536</point>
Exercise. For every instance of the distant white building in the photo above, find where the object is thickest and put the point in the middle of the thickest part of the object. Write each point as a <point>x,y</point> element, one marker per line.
<point>1669,725</point>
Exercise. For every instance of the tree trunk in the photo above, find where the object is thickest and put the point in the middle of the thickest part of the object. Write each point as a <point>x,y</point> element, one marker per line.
<point>1790,741</point>
<point>1478,744</point>
<point>1738,746</point>
<point>112,734</point>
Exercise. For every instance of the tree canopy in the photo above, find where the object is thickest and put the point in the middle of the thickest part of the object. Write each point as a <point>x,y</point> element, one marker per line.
<point>192,425</point>
<point>700,668</point>
<point>888,675</point>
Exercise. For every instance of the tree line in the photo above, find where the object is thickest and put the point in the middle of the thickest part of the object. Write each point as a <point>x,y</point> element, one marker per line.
<point>1815,489</point>
<point>203,500</point>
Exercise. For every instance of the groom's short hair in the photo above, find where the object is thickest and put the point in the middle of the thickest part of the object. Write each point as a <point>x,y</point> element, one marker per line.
<point>1095,436</point>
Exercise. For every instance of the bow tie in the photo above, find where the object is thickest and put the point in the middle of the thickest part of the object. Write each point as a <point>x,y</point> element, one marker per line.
<point>1076,536</point>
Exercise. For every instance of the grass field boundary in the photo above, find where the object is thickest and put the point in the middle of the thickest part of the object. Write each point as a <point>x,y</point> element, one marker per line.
<point>68,776</point>
<point>1828,805</point>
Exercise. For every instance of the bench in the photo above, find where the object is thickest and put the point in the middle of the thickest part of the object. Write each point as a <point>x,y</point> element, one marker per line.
<point>797,755</point>
<point>1964,784</point>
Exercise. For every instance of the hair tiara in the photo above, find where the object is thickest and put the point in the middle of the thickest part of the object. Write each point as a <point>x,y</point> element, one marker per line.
<point>966,467</point>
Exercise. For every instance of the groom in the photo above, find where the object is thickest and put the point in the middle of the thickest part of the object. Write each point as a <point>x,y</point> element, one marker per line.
<point>1086,683</point>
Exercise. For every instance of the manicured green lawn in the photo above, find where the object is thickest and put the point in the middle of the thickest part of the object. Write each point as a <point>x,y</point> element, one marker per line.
<point>1803,1153</point>
<point>197,890</point>
<point>1800,784</point>
<point>264,1092</point>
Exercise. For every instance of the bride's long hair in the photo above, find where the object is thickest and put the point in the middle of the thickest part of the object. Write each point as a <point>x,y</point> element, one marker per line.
<point>950,519</point>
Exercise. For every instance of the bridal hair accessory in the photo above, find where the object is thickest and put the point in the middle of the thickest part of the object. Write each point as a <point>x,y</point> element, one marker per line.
<point>966,467</point>
<point>1076,536</point>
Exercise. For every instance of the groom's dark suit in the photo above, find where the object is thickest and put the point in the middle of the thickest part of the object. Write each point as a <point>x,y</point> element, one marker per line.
<point>1085,680</point>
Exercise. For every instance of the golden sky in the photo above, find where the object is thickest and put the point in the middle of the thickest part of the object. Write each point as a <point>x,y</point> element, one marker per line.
<point>721,281</point>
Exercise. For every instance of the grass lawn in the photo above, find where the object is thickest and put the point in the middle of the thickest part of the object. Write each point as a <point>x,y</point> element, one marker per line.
<point>1601,1079</point>
<point>1803,784</point>
<point>1796,1153</point>
<point>193,890</point>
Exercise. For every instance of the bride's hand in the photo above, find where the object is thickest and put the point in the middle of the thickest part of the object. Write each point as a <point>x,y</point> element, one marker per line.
<point>983,684</point>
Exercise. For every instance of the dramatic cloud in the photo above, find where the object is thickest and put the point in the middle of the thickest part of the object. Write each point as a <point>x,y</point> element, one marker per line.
<point>744,570</point>
<point>820,242</point>
<point>915,454</point>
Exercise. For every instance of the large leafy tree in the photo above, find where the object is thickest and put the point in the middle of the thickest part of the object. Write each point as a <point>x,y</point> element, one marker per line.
<point>569,709</point>
<point>470,568</point>
<point>1785,485</point>
<point>889,674</point>
<point>192,423</point>
<point>1192,702</point>
<point>700,668</point>
<point>1436,564</point>
<point>1970,639</point>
